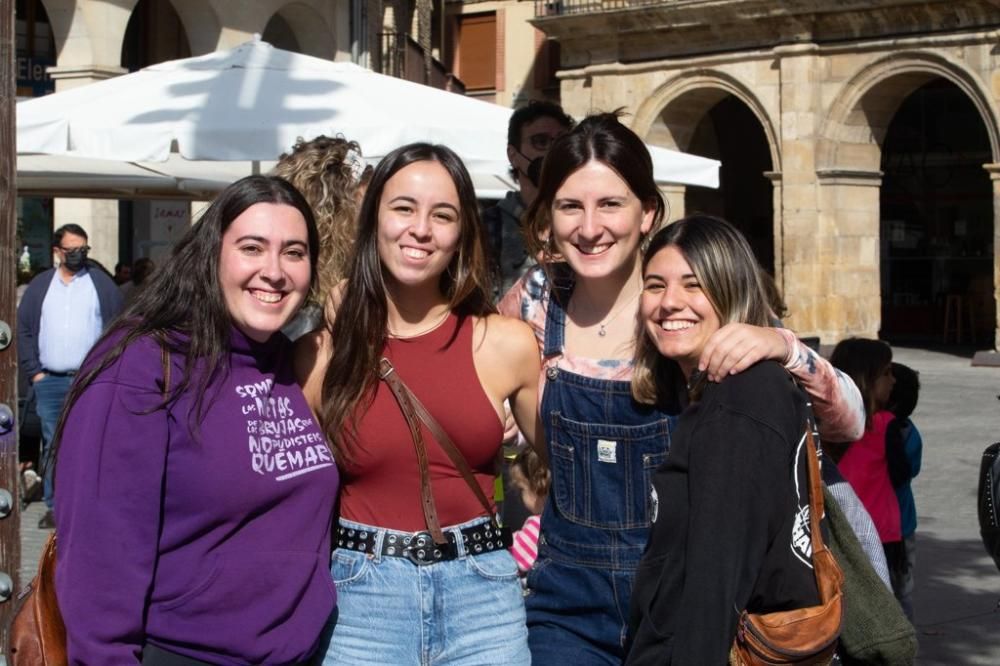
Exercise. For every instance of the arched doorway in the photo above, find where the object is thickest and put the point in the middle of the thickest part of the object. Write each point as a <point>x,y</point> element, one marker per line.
<point>937,221</point>
<point>731,133</point>
<point>154,34</point>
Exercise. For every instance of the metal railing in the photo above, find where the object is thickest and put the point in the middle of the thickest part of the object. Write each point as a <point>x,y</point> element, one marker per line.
<point>545,8</point>
<point>403,58</point>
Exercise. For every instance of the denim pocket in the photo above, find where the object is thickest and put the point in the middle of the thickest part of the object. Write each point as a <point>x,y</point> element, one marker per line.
<point>348,566</point>
<point>494,566</point>
<point>601,472</point>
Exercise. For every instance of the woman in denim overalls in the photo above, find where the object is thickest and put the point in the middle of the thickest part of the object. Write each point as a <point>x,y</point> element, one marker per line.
<point>597,201</point>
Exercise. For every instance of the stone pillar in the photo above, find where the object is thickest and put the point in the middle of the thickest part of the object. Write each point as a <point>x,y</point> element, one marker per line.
<point>994,171</point>
<point>98,217</point>
<point>777,229</point>
<point>798,265</point>
<point>673,195</point>
<point>848,244</point>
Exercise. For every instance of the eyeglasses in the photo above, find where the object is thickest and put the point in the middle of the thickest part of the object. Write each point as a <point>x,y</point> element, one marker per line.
<point>543,140</point>
<point>85,248</point>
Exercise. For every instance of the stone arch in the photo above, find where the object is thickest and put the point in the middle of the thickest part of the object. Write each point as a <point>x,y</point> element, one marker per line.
<point>311,30</point>
<point>680,103</point>
<point>201,23</point>
<point>852,133</point>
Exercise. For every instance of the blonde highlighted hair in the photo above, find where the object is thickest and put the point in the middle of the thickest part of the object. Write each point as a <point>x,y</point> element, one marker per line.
<point>729,275</point>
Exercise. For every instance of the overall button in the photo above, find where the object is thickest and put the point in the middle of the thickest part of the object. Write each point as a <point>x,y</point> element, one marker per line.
<point>552,372</point>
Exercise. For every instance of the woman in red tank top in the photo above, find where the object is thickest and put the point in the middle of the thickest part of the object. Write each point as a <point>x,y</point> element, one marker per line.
<point>416,305</point>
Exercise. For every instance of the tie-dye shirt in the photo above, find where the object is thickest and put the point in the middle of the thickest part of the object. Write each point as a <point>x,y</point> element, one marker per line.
<point>836,400</point>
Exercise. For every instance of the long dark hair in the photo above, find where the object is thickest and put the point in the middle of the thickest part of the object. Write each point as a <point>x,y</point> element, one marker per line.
<point>360,329</point>
<point>600,137</point>
<point>182,305</point>
<point>863,360</point>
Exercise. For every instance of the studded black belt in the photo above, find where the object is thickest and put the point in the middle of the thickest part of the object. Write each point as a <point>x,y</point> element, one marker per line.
<point>419,547</point>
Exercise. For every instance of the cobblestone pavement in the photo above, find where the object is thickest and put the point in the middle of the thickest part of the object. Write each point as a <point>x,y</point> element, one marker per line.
<point>957,586</point>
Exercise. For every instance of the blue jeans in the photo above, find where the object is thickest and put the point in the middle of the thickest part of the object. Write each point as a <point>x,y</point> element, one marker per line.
<point>390,611</point>
<point>50,393</point>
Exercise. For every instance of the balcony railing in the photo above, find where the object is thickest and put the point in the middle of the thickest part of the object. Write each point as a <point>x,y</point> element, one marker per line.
<point>545,8</point>
<point>403,58</point>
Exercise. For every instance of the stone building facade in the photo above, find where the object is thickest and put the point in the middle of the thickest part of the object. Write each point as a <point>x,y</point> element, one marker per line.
<point>863,138</point>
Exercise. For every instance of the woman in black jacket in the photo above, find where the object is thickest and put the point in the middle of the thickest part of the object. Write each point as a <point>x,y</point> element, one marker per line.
<point>730,504</point>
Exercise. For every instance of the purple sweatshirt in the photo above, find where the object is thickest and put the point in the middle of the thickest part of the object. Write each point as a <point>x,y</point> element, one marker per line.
<point>215,547</point>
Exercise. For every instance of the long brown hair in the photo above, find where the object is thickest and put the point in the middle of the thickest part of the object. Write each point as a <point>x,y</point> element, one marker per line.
<point>360,329</point>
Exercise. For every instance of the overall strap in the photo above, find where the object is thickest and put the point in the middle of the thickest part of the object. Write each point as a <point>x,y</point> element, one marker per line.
<point>555,322</point>
<point>415,413</point>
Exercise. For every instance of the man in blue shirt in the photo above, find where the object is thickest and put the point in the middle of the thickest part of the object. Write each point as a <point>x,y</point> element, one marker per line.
<point>61,316</point>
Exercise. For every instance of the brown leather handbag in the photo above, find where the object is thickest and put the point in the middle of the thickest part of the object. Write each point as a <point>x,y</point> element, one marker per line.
<point>37,633</point>
<point>804,636</point>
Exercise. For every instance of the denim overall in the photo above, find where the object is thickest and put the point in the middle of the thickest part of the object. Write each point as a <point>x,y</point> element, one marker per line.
<point>603,449</point>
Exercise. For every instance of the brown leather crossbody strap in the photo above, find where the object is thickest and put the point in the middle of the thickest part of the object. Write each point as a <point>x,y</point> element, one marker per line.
<point>415,412</point>
<point>815,505</point>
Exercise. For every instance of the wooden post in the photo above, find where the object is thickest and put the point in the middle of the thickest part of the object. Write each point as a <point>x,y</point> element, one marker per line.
<point>10,537</point>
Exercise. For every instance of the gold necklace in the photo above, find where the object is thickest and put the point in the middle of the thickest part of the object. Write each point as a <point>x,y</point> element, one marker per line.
<point>425,331</point>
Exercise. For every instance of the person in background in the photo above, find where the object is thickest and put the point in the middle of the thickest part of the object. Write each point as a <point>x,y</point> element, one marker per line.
<point>60,317</point>
<point>530,475</point>
<point>904,446</point>
<point>196,489</point>
<point>142,269</point>
<point>530,132</point>
<point>123,273</point>
<point>865,462</point>
<point>329,172</point>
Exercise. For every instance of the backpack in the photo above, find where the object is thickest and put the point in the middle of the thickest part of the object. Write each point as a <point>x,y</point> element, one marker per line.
<point>989,501</point>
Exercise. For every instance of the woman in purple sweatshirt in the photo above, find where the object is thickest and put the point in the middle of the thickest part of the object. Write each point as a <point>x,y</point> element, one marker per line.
<point>196,490</point>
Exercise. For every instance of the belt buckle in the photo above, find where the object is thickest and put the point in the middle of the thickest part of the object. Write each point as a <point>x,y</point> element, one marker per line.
<point>423,542</point>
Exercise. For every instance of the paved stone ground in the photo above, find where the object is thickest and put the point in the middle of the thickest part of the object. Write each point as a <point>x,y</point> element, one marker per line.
<point>957,585</point>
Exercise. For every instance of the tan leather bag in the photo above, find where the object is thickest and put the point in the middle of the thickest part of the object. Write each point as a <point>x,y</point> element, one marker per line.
<point>37,633</point>
<point>804,636</point>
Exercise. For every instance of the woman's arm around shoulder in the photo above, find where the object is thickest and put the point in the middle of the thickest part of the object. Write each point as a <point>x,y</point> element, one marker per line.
<point>312,357</point>
<point>507,354</point>
<point>836,399</point>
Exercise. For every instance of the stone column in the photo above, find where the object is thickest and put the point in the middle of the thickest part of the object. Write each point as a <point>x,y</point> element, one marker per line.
<point>994,171</point>
<point>800,231</point>
<point>849,258</point>
<point>673,195</point>
<point>778,229</point>
<point>98,217</point>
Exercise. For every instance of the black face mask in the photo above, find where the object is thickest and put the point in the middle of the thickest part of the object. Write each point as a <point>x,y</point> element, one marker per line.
<point>534,171</point>
<point>75,259</point>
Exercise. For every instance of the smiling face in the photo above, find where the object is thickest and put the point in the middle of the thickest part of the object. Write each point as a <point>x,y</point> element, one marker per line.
<point>419,220</point>
<point>598,222</point>
<point>264,268</point>
<point>676,313</point>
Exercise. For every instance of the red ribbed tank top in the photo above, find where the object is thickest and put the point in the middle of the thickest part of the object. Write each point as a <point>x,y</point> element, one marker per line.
<point>382,485</point>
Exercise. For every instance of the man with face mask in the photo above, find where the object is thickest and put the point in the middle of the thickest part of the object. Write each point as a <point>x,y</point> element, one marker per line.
<point>530,132</point>
<point>61,316</point>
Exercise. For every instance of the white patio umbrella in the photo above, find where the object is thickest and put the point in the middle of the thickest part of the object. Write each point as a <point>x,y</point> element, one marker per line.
<point>178,120</point>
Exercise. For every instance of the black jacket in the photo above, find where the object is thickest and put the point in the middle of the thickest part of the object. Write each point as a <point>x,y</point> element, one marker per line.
<point>730,521</point>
